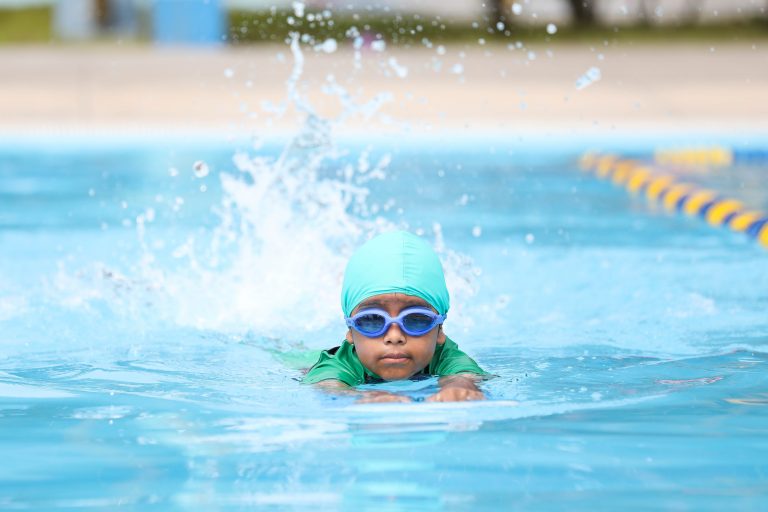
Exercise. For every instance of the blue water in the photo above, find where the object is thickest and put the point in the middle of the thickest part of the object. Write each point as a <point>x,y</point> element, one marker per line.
<point>153,323</point>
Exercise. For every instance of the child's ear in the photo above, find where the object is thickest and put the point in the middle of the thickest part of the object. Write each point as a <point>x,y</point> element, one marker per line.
<point>348,337</point>
<point>440,336</point>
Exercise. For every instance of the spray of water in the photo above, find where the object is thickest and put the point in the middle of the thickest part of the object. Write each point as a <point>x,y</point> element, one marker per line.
<point>288,224</point>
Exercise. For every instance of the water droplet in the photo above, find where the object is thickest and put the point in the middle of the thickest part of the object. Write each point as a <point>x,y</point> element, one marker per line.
<point>229,72</point>
<point>551,28</point>
<point>517,9</point>
<point>400,71</point>
<point>531,55</point>
<point>327,46</point>
<point>500,26</point>
<point>529,238</point>
<point>378,46</point>
<point>441,50</point>
<point>352,33</point>
<point>298,9</point>
<point>201,169</point>
<point>457,69</point>
<point>477,231</point>
<point>173,172</point>
<point>481,41</point>
<point>592,75</point>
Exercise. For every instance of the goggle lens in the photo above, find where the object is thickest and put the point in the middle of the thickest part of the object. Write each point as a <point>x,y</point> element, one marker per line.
<point>417,323</point>
<point>370,323</point>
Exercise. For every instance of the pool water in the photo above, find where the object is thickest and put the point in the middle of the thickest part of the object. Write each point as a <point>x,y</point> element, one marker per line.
<point>158,300</point>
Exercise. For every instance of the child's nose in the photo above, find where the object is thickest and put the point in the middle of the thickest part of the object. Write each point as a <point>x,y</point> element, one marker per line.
<point>394,334</point>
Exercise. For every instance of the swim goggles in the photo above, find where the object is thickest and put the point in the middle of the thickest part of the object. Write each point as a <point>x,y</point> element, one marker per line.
<point>414,321</point>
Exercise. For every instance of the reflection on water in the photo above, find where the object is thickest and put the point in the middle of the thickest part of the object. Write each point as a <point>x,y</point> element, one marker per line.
<point>177,440</point>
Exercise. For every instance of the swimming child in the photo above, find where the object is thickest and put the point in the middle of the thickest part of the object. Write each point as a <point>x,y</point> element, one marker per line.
<point>395,301</point>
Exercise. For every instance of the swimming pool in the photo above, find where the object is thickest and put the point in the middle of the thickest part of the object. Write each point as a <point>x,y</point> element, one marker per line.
<point>150,340</point>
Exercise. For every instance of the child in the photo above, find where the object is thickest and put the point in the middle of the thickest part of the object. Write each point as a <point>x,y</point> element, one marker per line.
<point>395,301</point>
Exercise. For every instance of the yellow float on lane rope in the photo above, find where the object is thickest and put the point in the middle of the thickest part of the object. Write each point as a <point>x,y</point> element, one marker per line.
<point>623,171</point>
<point>658,185</point>
<point>674,194</point>
<point>605,166</point>
<point>742,221</point>
<point>638,178</point>
<point>720,210</point>
<point>762,237</point>
<point>697,200</point>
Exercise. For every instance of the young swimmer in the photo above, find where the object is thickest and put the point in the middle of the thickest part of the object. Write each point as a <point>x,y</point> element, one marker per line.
<point>395,301</point>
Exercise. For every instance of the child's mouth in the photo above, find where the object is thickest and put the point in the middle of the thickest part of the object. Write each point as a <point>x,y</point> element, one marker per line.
<point>395,358</point>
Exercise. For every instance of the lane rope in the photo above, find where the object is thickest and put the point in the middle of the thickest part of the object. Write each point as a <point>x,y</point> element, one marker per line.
<point>664,188</point>
<point>713,156</point>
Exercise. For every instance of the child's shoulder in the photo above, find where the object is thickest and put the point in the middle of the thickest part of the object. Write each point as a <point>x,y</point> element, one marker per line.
<point>337,363</point>
<point>452,360</point>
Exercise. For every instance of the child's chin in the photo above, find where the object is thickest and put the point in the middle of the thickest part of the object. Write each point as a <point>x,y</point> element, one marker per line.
<point>396,375</point>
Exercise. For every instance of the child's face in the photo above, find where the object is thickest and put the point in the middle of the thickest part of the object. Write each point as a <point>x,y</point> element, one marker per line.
<point>395,355</point>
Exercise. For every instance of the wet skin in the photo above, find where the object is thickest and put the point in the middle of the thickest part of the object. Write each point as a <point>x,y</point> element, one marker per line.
<point>396,355</point>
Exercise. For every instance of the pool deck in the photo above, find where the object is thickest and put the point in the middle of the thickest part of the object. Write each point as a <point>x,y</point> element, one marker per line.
<point>110,88</point>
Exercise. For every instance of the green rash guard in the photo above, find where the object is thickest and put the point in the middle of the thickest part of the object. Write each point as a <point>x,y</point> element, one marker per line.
<point>344,365</point>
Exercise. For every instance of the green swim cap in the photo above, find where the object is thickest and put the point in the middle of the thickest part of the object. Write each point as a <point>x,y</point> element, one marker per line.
<point>395,262</point>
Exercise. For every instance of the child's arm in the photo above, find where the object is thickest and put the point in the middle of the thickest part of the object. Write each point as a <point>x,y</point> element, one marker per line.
<point>453,388</point>
<point>457,388</point>
<point>337,387</point>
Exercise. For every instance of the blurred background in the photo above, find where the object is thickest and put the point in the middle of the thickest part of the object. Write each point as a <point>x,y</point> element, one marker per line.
<point>254,21</point>
<point>523,65</point>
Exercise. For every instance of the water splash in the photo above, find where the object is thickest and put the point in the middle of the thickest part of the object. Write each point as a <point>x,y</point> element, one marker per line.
<point>287,224</point>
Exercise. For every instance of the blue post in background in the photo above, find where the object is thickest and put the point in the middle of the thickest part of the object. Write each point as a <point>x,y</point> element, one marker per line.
<point>200,22</point>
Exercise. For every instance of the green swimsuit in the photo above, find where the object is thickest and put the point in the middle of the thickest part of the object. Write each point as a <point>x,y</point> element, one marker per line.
<point>342,364</point>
